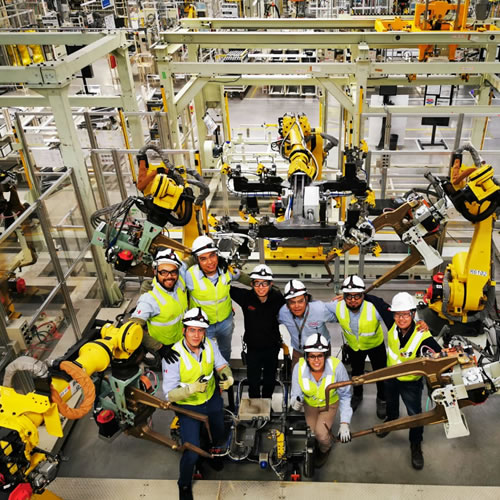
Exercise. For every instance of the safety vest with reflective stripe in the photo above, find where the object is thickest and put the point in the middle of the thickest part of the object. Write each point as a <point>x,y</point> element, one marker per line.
<point>167,326</point>
<point>396,354</point>
<point>314,395</point>
<point>370,332</point>
<point>214,300</point>
<point>191,370</point>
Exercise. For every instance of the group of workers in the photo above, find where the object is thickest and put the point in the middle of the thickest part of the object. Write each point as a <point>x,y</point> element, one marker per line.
<point>187,318</point>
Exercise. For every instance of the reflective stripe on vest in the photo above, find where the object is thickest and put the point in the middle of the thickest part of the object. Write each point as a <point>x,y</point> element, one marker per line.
<point>191,370</point>
<point>214,300</point>
<point>314,395</point>
<point>166,327</point>
<point>370,333</point>
<point>397,355</point>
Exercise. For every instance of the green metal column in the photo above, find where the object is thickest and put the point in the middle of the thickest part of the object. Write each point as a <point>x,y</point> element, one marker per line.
<point>73,157</point>
<point>479,124</point>
<point>128,96</point>
<point>362,74</point>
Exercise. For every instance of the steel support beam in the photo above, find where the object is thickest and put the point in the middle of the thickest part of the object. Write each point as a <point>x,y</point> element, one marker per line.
<point>336,91</point>
<point>129,98</point>
<point>189,92</point>
<point>328,40</point>
<point>75,101</point>
<point>73,157</point>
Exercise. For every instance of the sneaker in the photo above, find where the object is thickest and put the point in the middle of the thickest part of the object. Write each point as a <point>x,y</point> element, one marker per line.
<point>355,401</point>
<point>320,458</point>
<point>185,492</point>
<point>381,409</point>
<point>417,457</point>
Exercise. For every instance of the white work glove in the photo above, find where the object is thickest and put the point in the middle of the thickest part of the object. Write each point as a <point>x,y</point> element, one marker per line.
<point>226,378</point>
<point>197,387</point>
<point>297,405</point>
<point>227,383</point>
<point>344,435</point>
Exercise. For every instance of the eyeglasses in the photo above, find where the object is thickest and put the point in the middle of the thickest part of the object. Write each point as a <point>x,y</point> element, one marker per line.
<point>261,284</point>
<point>353,296</point>
<point>315,356</point>
<point>165,274</point>
<point>402,315</point>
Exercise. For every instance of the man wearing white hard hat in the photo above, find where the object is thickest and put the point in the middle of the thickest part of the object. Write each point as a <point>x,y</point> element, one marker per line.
<point>190,382</point>
<point>262,338</point>
<point>160,311</point>
<point>209,282</point>
<point>303,316</point>
<point>311,376</point>
<point>405,342</point>
<point>361,325</point>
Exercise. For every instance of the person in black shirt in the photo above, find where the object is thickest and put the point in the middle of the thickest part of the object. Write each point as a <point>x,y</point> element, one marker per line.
<point>260,307</point>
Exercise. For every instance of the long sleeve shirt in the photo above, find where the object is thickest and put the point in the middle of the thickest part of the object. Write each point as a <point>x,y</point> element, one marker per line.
<point>316,315</point>
<point>344,393</point>
<point>260,318</point>
<point>147,307</point>
<point>171,372</point>
<point>431,342</point>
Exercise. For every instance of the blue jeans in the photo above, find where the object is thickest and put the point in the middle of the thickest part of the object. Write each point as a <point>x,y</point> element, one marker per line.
<point>222,332</point>
<point>190,432</point>
<point>411,394</point>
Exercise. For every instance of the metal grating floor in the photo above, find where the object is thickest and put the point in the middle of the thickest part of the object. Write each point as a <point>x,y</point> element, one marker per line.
<point>140,489</point>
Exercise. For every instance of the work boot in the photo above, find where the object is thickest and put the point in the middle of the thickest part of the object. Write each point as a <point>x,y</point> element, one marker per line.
<point>383,434</point>
<point>185,492</point>
<point>417,457</point>
<point>320,458</point>
<point>381,409</point>
<point>355,401</point>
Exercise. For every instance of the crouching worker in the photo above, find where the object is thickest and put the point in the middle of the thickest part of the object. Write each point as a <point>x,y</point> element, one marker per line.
<point>311,376</point>
<point>190,382</point>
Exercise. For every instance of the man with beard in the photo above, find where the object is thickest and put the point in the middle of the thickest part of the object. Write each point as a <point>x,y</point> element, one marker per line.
<point>311,376</point>
<point>160,311</point>
<point>361,326</point>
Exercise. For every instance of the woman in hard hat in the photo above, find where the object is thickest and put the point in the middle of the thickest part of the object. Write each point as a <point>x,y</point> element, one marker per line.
<point>311,376</point>
<point>262,338</point>
<point>406,343</point>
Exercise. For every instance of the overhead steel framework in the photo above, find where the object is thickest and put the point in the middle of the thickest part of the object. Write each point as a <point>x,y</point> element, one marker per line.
<point>347,82</point>
<point>52,81</point>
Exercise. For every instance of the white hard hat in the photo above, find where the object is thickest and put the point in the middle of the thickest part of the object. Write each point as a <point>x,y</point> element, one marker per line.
<point>294,288</point>
<point>204,244</point>
<point>166,256</point>
<point>403,301</point>
<point>196,317</point>
<point>316,343</point>
<point>353,284</point>
<point>261,272</point>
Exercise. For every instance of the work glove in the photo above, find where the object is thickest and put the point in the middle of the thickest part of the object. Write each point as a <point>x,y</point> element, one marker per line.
<point>297,405</point>
<point>344,435</point>
<point>168,354</point>
<point>197,386</point>
<point>181,393</point>
<point>226,378</point>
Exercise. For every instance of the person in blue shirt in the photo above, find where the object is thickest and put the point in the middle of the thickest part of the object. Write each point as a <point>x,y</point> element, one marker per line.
<point>190,382</point>
<point>303,316</point>
<point>311,376</point>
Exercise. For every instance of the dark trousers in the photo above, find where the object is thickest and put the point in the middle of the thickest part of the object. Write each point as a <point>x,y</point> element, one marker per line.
<point>378,359</point>
<point>411,394</point>
<point>190,432</point>
<point>262,365</point>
